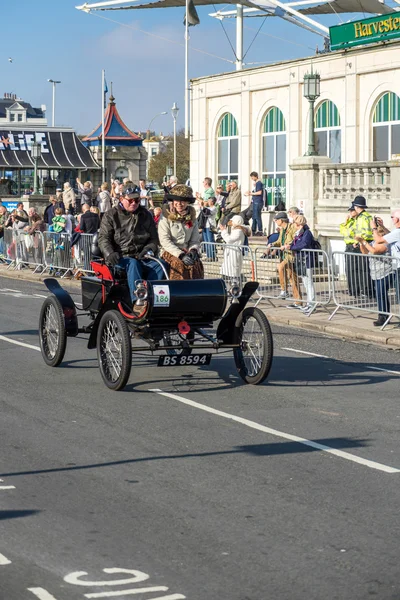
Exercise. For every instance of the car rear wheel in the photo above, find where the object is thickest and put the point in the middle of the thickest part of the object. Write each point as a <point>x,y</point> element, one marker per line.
<point>253,358</point>
<point>52,335</point>
<point>114,350</point>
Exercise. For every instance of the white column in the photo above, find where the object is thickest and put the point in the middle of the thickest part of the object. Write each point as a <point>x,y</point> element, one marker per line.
<point>239,37</point>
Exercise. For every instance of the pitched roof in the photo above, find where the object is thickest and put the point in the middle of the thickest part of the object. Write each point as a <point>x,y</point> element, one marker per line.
<point>115,130</point>
<point>30,111</point>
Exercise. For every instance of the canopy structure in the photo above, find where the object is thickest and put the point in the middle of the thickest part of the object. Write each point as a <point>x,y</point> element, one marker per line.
<point>116,133</point>
<point>60,150</point>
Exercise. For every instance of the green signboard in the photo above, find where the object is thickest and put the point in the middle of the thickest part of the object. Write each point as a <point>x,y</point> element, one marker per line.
<point>367,31</point>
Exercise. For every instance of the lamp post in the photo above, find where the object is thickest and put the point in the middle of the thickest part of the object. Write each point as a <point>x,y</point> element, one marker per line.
<point>168,172</point>
<point>36,153</point>
<point>311,92</point>
<point>54,82</point>
<point>174,112</point>
<point>155,117</point>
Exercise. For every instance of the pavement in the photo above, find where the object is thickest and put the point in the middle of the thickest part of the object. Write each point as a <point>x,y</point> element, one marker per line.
<point>190,484</point>
<point>350,325</point>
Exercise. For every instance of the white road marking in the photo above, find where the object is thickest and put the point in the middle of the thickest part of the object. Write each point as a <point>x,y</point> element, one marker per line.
<point>384,370</point>
<point>4,560</point>
<point>7,487</point>
<point>287,436</point>
<point>304,352</point>
<point>11,341</point>
<point>41,593</point>
<point>323,356</point>
<point>160,588</point>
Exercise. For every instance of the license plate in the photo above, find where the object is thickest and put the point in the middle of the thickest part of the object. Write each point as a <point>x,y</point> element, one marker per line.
<point>183,360</point>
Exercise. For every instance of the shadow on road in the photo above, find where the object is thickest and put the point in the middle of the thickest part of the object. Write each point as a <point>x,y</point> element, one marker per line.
<point>270,449</point>
<point>16,514</point>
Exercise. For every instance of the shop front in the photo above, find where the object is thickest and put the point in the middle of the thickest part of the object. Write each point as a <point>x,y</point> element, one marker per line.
<point>62,157</point>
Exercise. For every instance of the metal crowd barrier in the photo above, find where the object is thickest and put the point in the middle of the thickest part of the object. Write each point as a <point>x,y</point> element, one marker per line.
<point>81,253</point>
<point>364,282</point>
<point>301,278</point>
<point>232,263</point>
<point>29,250</point>
<point>57,250</point>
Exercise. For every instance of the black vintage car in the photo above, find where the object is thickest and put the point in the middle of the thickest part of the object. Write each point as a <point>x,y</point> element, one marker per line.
<point>183,323</point>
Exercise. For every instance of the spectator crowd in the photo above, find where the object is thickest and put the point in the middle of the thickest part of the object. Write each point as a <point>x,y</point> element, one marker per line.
<point>219,216</point>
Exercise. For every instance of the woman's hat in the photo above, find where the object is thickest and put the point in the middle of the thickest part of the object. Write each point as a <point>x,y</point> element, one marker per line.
<point>181,192</point>
<point>237,220</point>
<point>351,207</point>
<point>281,215</point>
<point>360,201</point>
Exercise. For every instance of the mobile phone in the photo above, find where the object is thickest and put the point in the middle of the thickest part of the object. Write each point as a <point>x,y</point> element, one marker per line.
<point>376,221</point>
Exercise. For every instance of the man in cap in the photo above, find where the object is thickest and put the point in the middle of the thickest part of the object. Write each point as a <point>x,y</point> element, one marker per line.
<point>362,229</point>
<point>127,234</point>
<point>347,230</point>
<point>286,272</point>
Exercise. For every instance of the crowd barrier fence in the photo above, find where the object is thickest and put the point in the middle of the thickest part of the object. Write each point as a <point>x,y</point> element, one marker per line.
<point>302,279</point>
<point>308,279</point>
<point>371,283</point>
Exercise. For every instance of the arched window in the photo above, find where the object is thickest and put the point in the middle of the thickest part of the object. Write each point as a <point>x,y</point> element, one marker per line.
<point>274,156</point>
<point>386,127</point>
<point>228,149</point>
<point>328,135</point>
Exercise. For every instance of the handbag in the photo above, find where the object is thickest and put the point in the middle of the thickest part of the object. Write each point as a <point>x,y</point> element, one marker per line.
<point>201,220</point>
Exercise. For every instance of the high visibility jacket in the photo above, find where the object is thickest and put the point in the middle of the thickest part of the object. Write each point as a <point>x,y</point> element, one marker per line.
<point>347,230</point>
<point>363,226</point>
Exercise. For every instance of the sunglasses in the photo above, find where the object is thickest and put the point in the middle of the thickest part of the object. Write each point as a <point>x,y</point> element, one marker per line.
<point>132,200</point>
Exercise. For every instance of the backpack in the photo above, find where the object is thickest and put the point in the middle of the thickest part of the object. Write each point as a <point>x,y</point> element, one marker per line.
<point>315,244</point>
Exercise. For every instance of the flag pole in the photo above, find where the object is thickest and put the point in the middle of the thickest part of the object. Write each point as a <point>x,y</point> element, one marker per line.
<point>103,114</point>
<point>187,70</point>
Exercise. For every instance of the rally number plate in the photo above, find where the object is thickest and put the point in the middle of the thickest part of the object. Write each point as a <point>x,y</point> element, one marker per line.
<point>183,360</point>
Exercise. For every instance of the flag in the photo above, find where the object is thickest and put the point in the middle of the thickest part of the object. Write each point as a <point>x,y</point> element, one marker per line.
<point>105,93</point>
<point>193,17</point>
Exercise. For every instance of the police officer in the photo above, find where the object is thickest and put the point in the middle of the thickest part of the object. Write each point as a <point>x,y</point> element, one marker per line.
<point>363,229</point>
<point>347,231</point>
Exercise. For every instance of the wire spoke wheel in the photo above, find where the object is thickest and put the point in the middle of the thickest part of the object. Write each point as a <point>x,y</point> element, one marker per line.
<point>114,350</point>
<point>253,358</point>
<point>52,335</point>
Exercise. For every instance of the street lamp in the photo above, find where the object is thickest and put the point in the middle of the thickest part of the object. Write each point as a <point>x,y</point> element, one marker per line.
<point>155,117</point>
<point>174,112</point>
<point>36,153</point>
<point>311,92</point>
<point>54,82</point>
<point>168,171</point>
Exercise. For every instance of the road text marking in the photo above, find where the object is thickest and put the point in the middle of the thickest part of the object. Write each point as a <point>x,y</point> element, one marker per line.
<point>287,436</point>
<point>41,593</point>
<point>4,560</point>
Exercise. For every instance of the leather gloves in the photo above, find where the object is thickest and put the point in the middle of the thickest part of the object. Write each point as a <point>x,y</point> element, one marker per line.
<point>113,259</point>
<point>188,260</point>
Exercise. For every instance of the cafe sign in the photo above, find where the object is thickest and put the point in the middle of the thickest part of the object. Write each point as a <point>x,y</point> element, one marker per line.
<point>366,31</point>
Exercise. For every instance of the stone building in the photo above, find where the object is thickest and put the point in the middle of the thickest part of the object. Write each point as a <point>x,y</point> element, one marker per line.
<point>125,155</point>
<point>258,120</point>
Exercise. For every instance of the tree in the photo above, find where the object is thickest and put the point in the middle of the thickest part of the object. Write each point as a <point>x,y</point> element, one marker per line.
<point>159,163</point>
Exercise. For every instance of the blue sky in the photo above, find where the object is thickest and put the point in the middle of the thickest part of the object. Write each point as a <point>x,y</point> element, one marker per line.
<point>51,39</point>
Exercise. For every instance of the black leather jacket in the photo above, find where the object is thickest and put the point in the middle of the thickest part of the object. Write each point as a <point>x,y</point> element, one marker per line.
<point>127,233</point>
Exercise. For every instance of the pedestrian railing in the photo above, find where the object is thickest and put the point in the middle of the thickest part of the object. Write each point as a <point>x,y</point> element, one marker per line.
<point>58,258</point>
<point>300,278</point>
<point>369,283</point>
<point>308,279</point>
<point>234,264</point>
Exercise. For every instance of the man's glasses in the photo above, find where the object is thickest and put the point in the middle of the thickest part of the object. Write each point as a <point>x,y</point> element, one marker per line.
<point>132,200</point>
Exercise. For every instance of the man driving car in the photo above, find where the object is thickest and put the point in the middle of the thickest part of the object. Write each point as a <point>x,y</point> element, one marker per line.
<point>127,234</point>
